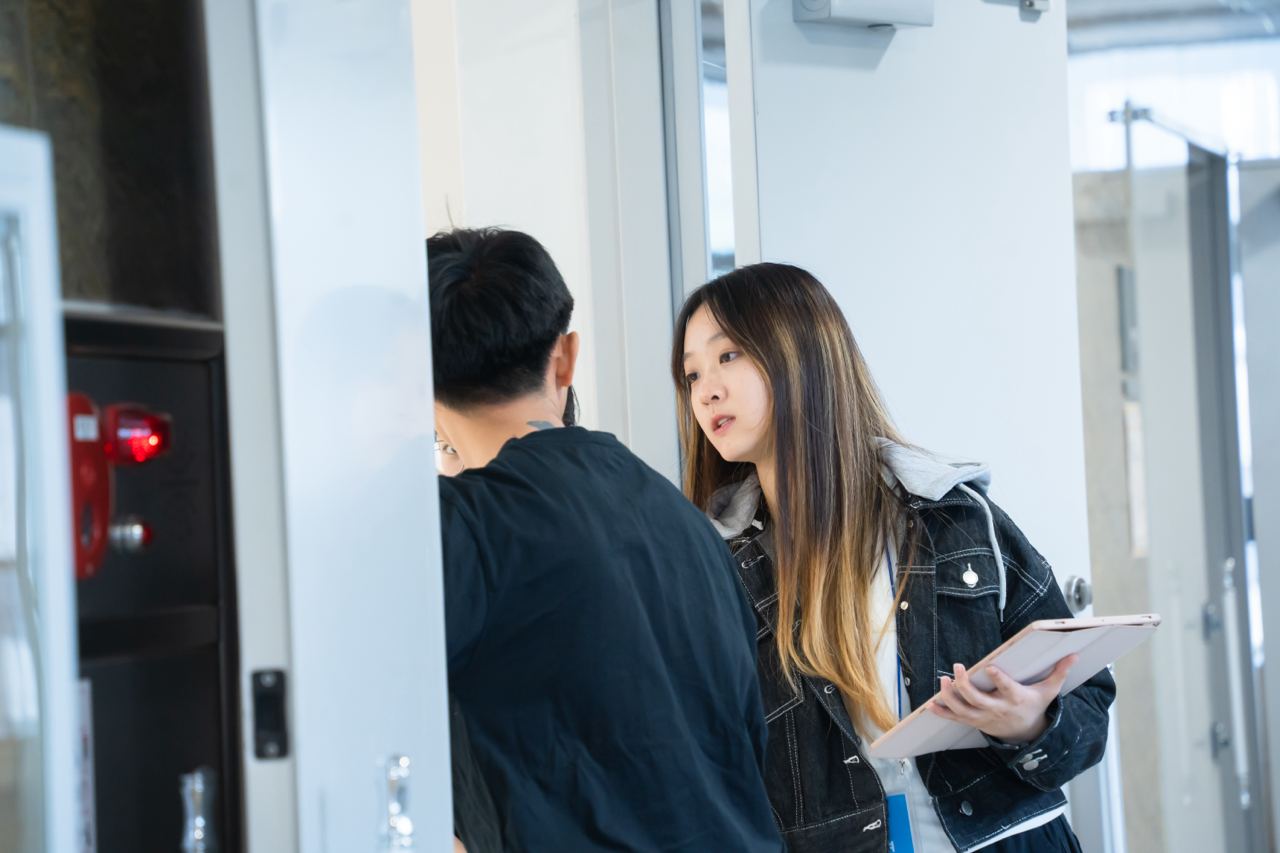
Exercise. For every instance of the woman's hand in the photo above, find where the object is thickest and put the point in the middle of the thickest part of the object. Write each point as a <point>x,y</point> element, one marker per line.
<point>1012,712</point>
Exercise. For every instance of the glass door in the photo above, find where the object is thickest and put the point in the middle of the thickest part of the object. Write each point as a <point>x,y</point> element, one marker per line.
<point>1168,457</point>
<point>1259,249</point>
<point>38,695</point>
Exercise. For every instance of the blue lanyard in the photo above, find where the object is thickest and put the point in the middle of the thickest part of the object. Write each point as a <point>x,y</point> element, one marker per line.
<point>897,661</point>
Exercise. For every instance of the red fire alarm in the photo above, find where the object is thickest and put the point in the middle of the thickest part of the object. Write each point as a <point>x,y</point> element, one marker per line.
<point>90,485</point>
<point>123,434</point>
<point>134,435</point>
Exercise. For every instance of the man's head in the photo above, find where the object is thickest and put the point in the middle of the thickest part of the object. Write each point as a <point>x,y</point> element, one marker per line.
<point>498,307</point>
<point>500,338</point>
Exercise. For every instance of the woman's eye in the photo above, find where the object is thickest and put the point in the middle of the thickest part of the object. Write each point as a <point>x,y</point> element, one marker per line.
<point>445,448</point>
<point>691,378</point>
<point>727,357</point>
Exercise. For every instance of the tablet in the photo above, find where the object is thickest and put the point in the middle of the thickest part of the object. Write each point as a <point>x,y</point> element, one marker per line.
<point>1027,657</point>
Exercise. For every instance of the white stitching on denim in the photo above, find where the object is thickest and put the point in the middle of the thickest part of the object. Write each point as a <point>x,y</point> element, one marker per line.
<point>853,759</point>
<point>795,768</point>
<point>858,814</point>
<point>796,699</point>
<point>973,782</point>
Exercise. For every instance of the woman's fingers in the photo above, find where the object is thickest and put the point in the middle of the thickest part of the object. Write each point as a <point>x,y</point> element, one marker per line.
<point>1051,686</point>
<point>969,691</point>
<point>954,701</point>
<point>943,711</point>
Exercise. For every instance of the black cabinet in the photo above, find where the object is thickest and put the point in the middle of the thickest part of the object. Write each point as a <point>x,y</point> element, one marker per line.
<point>158,628</point>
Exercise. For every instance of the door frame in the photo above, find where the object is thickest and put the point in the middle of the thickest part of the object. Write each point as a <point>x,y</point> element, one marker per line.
<point>26,192</point>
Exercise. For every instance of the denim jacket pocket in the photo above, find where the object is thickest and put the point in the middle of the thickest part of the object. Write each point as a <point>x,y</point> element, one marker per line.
<point>967,574</point>
<point>967,590</point>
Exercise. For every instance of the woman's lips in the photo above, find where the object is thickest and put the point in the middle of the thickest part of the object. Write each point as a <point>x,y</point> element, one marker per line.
<point>722,424</point>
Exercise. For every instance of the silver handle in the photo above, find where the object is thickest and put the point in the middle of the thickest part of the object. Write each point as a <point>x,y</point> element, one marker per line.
<point>1078,592</point>
<point>1235,679</point>
<point>129,535</point>
<point>397,829</point>
<point>197,789</point>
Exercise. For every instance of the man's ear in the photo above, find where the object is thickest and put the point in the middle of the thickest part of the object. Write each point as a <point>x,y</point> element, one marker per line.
<point>564,360</point>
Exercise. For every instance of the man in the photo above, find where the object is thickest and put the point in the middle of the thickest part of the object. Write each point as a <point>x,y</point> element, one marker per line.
<point>600,648</point>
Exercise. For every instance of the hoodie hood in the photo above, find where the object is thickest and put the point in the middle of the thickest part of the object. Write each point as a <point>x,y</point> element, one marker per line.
<point>925,475</point>
<point>733,507</point>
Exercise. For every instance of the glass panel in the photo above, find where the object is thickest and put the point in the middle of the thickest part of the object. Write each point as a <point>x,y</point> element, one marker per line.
<point>1260,273</point>
<point>716,153</point>
<point>130,144</point>
<point>21,785</point>
<point>1165,478</point>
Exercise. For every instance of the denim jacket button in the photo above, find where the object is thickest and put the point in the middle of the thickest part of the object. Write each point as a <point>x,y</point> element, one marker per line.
<point>1030,764</point>
<point>906,681</point>
<point>904,605</point>
<point>830,688</point>
<point>966,809</point>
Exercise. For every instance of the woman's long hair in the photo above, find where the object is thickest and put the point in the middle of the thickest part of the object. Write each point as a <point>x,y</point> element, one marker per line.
<point>834,510</point>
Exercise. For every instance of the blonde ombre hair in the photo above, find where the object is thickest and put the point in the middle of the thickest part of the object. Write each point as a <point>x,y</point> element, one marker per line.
<point>834,512</point>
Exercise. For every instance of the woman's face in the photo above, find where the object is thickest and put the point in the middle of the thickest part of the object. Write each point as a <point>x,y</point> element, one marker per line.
<point>727,391</point>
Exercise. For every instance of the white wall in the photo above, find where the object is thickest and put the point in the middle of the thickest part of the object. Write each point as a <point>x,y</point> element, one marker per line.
<point>521,156</point>
<point>547,117</point>
<point>924,178</point>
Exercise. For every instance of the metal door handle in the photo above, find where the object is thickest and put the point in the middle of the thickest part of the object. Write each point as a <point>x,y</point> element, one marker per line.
<point>1078,592</point>
<point>197,788</point>
<point>1235,679</point>
<point>397,829</point>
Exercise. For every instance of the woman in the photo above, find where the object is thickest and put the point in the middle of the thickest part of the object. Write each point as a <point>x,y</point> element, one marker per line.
<point>888,569</point>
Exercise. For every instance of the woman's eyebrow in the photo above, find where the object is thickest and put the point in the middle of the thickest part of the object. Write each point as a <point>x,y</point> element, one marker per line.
<point>711,340</point>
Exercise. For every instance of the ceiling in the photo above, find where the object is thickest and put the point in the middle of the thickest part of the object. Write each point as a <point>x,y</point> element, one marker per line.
<point>1106,24</point>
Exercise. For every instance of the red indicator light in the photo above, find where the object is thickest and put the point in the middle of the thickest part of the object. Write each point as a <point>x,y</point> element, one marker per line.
<point>134,435</point>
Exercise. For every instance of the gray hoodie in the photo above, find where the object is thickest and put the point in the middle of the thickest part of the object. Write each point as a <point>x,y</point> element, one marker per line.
<point>920,473</point>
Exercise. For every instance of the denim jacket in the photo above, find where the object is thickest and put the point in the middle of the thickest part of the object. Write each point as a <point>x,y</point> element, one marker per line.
<point>824,793</point>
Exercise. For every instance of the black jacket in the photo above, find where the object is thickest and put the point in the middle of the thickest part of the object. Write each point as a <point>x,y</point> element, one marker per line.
<point>824,793</point>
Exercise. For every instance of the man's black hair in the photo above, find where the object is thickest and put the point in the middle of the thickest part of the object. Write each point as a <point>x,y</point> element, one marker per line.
<point>498,305</point>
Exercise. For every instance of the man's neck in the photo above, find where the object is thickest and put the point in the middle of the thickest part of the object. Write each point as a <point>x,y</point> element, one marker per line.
<point>490,427</point>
